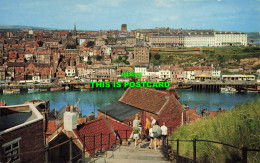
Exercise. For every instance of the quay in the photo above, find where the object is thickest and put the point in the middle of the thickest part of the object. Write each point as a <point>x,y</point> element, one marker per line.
<point>216,85</point>
<point>206,85</point>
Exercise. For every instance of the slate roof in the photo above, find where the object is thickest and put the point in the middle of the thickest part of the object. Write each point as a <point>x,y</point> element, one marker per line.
<point>10,118</point>
<point>119,110</point>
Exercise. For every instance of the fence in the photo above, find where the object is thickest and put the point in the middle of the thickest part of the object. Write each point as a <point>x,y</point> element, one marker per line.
<point>194,141</point>
<point>98,146</point>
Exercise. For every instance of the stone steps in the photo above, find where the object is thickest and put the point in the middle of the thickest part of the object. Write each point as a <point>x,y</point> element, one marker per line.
<point>130,154</point>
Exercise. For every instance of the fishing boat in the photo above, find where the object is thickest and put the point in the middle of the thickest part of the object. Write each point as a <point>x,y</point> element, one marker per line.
<point>228,90</point>
<point>57,89</point>
<point>33,90</point>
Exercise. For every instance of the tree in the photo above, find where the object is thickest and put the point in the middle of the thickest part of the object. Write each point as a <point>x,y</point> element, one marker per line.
<point>157,56</point>
<point>90,43</point>
<point>89,62</point>
<point>120,58</point>
<point>99,57</point>
<point>40,43</point>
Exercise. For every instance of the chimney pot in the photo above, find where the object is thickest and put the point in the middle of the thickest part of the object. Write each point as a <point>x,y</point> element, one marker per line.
<point>68,109</point>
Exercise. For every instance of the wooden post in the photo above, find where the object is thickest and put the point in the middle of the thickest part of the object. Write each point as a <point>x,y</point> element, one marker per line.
<point>244,153</point>
<point>178,145</point>
<point>94,145</point>
<point>83,151</point>
<point>194,150</point>
<point>47,154</point>
<point>101,143</point>
<point>71,156</point>
<point>126,135</point>
<point>109,141</point>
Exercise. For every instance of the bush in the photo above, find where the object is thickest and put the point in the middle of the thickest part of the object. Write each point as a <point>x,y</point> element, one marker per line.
<point>237,127</point>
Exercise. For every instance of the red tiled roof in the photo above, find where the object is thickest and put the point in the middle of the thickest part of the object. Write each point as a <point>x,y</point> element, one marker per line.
<point>96,127</point>
<point>191,115</point>
<point>147,99</point>
<point>120,129</point>
<point>124,68</point>
<point>53,125</point>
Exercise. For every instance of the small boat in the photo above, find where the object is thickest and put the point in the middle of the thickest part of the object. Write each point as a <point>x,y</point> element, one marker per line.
<point>33,90</point>
<point>57,89</point>
<point>67,88</point>
<point>7,91</point>
<point>252,91</point>
<point>43,90</point>
<point>11,91</point>
<point>184,87</point>
<point>228,90</point>
<point>86,88</point>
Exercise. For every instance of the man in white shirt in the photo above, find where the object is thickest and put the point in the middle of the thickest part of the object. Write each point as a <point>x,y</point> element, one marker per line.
<point>164,133</point>
<point>153,121</point>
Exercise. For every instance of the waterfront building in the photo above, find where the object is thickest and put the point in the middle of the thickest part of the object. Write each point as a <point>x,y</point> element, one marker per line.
<point>238,77</point>
<point>121,70</point>
<point>143,70</point>
<point>216,73</point>
<point>70,71</point>
<point>164,74</point>
<point>21,131</point>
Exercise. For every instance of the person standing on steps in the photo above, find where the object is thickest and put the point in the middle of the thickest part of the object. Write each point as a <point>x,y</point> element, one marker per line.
<point>164,133</point>
<point>136,132</point>
<point>147,128</point>
<point>157,131</point>
<point>153,121</point>
<point>151,137</point>
<point>136,122</point>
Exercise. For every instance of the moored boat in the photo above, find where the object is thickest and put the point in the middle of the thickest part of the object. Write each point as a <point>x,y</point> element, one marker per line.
<point>67,88</point>
<point>11,91</point>
<point>57,89</point>
<point>33,90</point>
<point>228,90</point>
<point>86,88</point>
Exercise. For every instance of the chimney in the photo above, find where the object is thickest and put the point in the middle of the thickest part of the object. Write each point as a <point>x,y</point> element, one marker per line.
<point>172,91</point>
<point>70,119</point>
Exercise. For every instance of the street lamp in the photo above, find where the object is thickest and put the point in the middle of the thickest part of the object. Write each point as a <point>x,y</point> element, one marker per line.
<point>182,94</point>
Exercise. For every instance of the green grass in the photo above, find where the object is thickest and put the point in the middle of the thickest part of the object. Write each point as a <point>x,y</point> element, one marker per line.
<point>236,127</point>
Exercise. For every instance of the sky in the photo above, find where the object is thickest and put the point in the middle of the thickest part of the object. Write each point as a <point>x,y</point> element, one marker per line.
<point>224,15</point>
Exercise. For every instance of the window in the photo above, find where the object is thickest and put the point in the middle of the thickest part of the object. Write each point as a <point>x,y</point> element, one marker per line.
<point>12,148</point>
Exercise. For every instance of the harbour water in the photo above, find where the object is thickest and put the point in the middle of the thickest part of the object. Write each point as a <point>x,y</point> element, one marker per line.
<point>91,101</point>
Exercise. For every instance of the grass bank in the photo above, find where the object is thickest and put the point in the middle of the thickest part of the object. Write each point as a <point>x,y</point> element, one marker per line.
<point>236,127</point>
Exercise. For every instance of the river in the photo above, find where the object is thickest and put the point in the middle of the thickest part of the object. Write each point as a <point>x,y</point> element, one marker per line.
<point>91,101</point>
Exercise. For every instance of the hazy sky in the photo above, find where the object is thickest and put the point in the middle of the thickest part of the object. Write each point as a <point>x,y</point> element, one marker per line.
<point>231,15</point>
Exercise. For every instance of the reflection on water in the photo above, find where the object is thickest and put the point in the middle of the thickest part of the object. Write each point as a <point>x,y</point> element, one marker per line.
<point>91,101</point>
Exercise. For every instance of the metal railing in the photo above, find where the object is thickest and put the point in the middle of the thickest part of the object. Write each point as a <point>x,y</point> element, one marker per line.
<point>94,149</point>
<point>244,149</point>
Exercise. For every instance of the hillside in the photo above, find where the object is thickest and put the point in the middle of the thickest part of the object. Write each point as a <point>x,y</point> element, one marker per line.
<point>236,127</point>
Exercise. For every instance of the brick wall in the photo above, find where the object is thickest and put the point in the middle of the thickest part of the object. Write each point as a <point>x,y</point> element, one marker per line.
<point>31,140</point>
